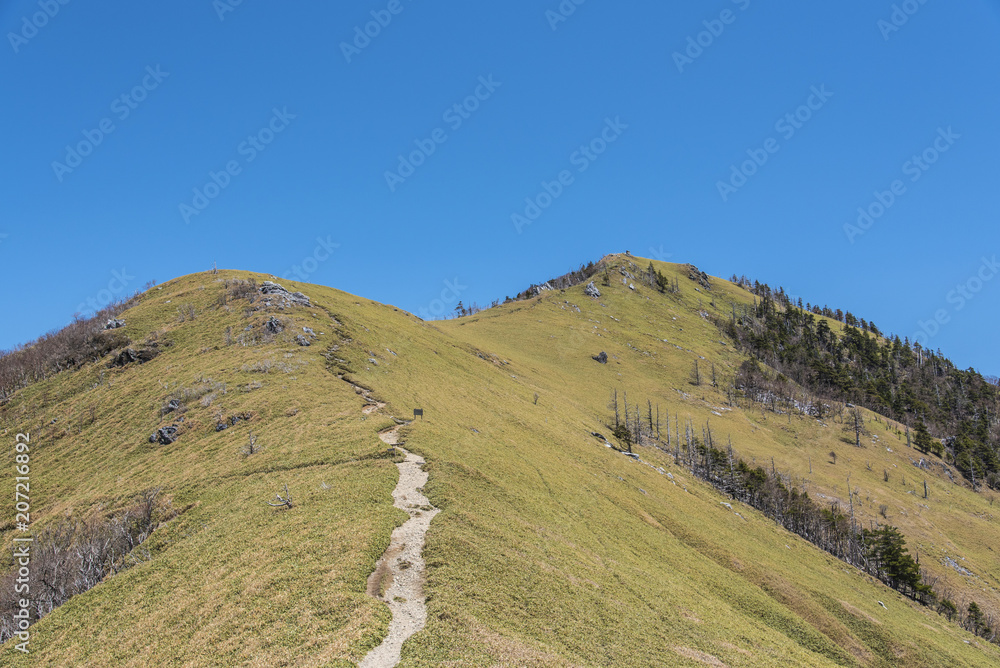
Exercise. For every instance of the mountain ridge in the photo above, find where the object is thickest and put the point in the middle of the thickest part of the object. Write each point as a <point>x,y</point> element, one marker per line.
<point>589,562</point>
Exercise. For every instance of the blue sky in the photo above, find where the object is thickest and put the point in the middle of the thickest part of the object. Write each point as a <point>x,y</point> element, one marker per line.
<point>262,136</point>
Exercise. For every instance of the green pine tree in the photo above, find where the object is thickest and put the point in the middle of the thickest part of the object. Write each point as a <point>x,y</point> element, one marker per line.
<point>923,440</point>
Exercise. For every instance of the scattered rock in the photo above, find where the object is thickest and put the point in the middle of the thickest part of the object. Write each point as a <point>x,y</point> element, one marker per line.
<point>172,405</point>
<point>631,286</point>
<point>307,330</point>
<point>126,356</point>
<point>114,323</point>
<point>277,296</point>
<point>130,355</point>
<point>222,426</point>
<point>602,358</point>
<point>302,341</point>
<point>699,277</point>
<point>591,290</point>
<point>948,561</point>
<point>274,326</point>
<point>164,435</point>
<point>539,289</point>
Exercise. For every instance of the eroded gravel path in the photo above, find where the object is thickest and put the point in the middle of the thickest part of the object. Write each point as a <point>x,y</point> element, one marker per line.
<point>402,566</point>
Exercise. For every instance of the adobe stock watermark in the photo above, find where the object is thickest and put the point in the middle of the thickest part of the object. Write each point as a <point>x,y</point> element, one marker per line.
<point>659,254</point>
<point>310,264</point>
<point>31,25</point>
<point>582,158</point>
<point>914,168</point>
<point>363,36</point>
<point>562,13</point>
<point>899,17</point>
<point>787,126</point>
<point>22,545</point>
<point>114,290</point>
<point>248,149</point>
<point>714,28</point>
<point>223,7</point>
<point>959,297</point>
<point>455,116</point>
<point>122,107</point>
<point>445,302</point>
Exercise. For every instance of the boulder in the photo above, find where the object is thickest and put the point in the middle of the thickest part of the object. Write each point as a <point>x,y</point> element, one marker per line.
<point>114,323</point>
<point>129,355</point>
<point>126,356</point>
<point>274,326</point>
<point>699,277</point>
<point>302,341</point>
<point>591,290</point>
<point>602,358</point>
<point>164,435</point>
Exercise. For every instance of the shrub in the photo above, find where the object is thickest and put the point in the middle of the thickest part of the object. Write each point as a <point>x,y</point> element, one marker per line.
<point>74,555</point>
<point>82,341</point>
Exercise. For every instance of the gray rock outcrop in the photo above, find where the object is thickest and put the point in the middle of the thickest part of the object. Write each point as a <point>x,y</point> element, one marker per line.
<point>278,297</point>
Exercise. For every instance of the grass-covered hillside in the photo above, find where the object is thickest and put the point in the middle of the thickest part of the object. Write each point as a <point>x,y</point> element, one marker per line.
<point>551,549</point>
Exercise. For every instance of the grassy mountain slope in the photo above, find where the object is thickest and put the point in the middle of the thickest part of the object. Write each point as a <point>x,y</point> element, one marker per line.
<point>550,549</point>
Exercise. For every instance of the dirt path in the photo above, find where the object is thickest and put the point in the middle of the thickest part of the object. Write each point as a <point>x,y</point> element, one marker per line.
<point>399,576</point>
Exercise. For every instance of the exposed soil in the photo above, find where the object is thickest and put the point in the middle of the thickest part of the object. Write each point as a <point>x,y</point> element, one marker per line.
<point>399,576</point>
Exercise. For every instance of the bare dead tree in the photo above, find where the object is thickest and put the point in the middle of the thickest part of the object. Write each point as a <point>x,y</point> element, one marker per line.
<point>282,502</point>
<point>251,447</point>
<point>614,405</point>
<point>658,424</point>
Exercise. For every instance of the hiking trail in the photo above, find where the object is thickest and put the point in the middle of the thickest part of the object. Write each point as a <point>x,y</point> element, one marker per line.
<point>399,576</point>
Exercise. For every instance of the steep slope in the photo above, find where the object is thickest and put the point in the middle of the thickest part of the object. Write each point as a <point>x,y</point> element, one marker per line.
<point>550,548</point>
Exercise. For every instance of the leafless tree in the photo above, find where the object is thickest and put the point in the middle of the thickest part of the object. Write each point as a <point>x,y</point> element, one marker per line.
<point>282,502</point>
<point>251,447</point>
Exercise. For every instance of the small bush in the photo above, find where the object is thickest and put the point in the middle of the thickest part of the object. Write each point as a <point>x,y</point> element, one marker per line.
<point>240,289</point>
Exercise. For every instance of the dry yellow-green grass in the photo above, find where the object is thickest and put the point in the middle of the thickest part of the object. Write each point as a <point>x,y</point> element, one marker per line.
<point>550,549</point>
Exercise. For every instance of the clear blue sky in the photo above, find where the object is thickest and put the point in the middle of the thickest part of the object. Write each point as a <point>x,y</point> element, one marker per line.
<point>209,79</point>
